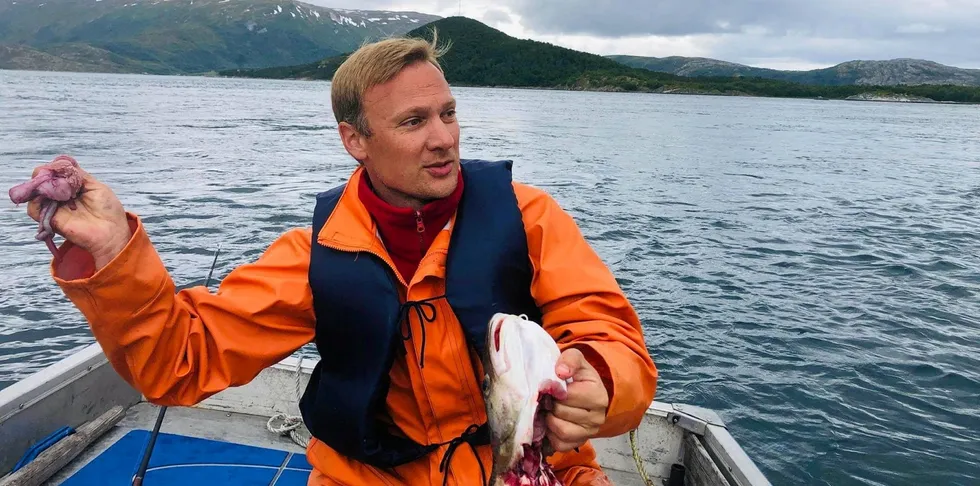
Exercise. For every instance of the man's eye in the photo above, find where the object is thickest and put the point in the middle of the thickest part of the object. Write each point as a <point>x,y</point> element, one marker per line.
<point>412,121</point>
<point>451,113</point>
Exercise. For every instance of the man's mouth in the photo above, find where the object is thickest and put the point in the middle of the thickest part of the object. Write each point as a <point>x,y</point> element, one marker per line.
<point>437,165</point>
<point>440,169</point>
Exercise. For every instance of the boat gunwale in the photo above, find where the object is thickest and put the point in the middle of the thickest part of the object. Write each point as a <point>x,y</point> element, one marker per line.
<point>69,392</point>
<point>42,383</point>
<point>705,424</point>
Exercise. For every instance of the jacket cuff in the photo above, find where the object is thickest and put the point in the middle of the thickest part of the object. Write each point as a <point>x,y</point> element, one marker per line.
<point>627,403</point>
<point>97,293</point>
<point>76,267</point>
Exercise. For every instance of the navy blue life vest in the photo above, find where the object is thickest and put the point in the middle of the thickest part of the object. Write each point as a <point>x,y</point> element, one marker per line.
<point>359,314</point>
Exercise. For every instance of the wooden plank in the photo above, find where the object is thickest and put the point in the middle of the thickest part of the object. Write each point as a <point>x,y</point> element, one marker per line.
<point>49,462</point>
<point>700,468</point>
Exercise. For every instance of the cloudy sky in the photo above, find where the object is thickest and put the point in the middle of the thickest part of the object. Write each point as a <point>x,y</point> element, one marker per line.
<point>782,34</point>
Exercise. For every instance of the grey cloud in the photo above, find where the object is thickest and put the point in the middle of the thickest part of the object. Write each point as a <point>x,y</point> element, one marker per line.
<point>807,17</point>
<point>752,50</point>
<point>941,30</point>
<point>495,16</point>
<point>813,31</point>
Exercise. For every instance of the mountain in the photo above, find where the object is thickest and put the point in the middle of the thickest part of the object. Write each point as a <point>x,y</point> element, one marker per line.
<point>895,72</point>
<point>687,66</point>
<point>482,56</point>
<point>184,36</point>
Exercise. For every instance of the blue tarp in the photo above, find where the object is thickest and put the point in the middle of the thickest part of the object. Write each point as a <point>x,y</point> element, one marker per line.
<point>184,461</point>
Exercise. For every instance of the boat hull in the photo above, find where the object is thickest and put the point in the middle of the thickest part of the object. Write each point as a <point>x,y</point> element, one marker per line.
<point>84,386</point>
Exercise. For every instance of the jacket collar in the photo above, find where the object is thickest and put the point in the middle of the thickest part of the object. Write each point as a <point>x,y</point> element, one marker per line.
<point>350,226</point>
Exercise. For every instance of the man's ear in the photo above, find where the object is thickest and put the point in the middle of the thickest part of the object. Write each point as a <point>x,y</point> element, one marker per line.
<point>353,141</point>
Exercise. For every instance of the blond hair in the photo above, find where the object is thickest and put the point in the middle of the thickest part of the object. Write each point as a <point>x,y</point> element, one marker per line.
<point>373,64</point>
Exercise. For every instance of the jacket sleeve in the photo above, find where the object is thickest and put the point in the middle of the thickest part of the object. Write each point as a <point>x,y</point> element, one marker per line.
<point>584,307</point>
<point>179,348</point>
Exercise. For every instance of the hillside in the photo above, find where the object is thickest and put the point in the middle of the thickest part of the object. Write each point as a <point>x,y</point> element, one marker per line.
<point>483,56</point>
<point>893,72</point>
<point>66,57</point>
<point>183,36</point>
<point>688,66</point>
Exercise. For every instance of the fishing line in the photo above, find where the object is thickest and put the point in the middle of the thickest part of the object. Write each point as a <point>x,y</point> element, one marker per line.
<point>138,478</point>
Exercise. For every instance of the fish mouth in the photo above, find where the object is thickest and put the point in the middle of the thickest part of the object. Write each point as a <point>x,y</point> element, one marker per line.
<point>530,467</point>
<point>521,359</point>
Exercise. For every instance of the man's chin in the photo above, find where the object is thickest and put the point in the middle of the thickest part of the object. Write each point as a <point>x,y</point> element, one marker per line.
<point>440,190</point>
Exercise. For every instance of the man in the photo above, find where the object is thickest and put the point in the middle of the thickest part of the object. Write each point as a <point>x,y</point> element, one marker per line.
<point>395,283</point>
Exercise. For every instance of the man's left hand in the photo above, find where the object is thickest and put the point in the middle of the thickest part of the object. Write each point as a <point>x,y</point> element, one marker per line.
<point>578,417</point>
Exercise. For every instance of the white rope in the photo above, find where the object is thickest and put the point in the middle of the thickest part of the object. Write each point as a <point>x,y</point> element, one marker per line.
<point>290,423</point>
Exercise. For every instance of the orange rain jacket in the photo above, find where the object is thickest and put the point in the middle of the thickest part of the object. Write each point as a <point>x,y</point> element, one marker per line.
<point>180,348</point>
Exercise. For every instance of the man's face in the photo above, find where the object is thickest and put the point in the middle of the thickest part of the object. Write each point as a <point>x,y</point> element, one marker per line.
<point>412,155</point>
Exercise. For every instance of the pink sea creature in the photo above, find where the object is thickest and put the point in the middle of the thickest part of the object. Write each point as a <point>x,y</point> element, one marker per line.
<point>56,183</point>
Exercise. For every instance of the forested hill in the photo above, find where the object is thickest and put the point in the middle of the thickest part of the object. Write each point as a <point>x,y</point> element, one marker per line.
<point>483,56</point>
<point>183,36</point>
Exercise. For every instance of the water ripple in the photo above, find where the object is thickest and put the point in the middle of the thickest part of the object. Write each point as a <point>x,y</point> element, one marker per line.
<point>808,269</point>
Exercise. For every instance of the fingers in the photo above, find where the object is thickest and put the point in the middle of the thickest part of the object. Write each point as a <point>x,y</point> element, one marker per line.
<point>589,395</point>
<point>564,435</point>
<point>588,419</point>
<point>579,416</point>
<point>569,363</point>
<point>85,175</point>
<point>34,209</point>
<point>43,214</point>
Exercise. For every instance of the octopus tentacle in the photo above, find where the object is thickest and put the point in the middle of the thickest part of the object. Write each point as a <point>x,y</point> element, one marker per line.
<point>49,241</point>
<point>49,208</point>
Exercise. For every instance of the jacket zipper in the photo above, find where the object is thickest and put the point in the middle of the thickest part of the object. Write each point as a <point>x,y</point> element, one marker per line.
<point>420,228</point>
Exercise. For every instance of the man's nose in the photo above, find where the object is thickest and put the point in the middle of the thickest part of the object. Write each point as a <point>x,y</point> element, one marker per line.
<point>441,137</point>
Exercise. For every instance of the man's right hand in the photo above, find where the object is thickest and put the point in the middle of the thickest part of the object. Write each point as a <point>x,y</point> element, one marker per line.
<point>98,224</point>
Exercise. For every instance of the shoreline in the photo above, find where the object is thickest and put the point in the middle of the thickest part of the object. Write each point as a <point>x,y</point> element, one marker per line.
<point>869,97</point>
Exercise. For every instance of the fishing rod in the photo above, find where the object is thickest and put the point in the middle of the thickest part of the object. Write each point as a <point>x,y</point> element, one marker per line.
<point>141,472</point>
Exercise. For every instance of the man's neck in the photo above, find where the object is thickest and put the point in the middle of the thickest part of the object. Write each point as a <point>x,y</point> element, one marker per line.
<point>395,198</point>
<point>407,230</point>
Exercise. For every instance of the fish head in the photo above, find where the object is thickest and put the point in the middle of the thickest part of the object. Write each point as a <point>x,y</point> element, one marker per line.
<point>520,382</point>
